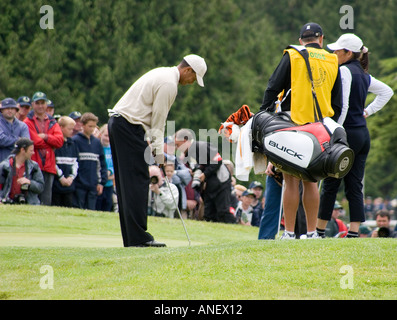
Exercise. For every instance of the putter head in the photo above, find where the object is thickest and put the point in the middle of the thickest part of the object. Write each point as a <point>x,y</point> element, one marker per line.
<point>176,205</point>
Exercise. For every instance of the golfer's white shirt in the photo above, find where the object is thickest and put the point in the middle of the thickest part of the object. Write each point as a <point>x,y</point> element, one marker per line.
<point>382,91</point>
<point>148,101</point>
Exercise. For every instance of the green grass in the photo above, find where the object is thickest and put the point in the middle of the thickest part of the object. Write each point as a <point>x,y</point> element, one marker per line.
<point>84,250</point>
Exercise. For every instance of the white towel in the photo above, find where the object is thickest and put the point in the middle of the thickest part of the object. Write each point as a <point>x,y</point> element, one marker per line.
<point>245,159</point>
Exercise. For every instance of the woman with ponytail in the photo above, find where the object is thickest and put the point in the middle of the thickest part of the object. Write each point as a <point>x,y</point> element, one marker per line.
<point>356,83</point>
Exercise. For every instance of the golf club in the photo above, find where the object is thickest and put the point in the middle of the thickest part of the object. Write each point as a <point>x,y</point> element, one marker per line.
<point>176,205</point>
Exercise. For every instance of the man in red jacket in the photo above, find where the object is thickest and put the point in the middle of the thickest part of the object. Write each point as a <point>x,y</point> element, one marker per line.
<point>47,136</point>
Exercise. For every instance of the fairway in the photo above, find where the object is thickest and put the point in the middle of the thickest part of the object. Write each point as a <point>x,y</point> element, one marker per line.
<point>55,253</point>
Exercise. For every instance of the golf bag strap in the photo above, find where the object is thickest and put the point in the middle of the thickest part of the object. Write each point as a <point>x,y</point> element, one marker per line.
<point>305,54</point>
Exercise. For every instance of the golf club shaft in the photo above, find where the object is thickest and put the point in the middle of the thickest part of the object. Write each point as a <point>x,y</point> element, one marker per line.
<point>281,208</point>
<point>176,205</point>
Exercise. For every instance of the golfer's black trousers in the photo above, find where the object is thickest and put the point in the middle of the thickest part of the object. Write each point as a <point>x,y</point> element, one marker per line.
<point>131,172</point>
<point>360,142</point>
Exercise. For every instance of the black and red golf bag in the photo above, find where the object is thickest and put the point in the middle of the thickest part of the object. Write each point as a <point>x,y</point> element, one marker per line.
<point>309,152</point>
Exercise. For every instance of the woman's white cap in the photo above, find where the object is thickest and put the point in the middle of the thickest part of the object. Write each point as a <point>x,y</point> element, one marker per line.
<point>198,65</point>
<point>348,41</point>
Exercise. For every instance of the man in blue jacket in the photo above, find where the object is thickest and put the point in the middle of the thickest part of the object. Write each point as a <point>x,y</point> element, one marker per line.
<point>11,129</point>
<point>21,180</point>
<point>92,174</point>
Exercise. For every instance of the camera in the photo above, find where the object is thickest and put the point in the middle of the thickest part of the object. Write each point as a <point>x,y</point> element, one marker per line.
<point>18,199</point>
<point>196,182</point>
<point>7,201</point>
<point>25,187</point>
<point>383,232</point>
<point>154,180</point>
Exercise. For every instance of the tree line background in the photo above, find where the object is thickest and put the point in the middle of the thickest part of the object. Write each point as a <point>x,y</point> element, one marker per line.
<point>97,49</point>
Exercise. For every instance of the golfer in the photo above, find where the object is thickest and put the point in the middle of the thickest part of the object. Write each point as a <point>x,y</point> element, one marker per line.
<point>353,58</point>
<point>140,115</point>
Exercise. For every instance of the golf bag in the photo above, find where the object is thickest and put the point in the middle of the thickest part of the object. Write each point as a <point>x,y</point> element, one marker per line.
<point>309,152</point>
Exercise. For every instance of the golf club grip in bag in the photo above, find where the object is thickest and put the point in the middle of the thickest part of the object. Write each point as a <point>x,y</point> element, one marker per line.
<point>309,152</point>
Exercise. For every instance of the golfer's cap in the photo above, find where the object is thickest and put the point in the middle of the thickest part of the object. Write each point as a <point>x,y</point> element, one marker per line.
<point>24,101</point>
<point>8,103</point>
<point>348,41</point>
<point>39,96</point>
<point>50,104</point>
<point>75,115</point>
<point>310,30</point>
<point>21,143</point>
<point>255,184</point>
<point>249,192</point>
<point>169,140</point>
<point>337,206</point>
<point>198,65</point>
<point>364,230</point>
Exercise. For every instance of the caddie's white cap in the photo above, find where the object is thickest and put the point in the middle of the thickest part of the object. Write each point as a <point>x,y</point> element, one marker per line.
<point>348,41</point>
<point>198,65</point>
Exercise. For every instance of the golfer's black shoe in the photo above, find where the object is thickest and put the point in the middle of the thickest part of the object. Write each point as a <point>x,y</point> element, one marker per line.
<point>152,243</point>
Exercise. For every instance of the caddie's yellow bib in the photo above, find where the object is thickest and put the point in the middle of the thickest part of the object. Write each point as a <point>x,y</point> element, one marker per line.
<point>324,66</point>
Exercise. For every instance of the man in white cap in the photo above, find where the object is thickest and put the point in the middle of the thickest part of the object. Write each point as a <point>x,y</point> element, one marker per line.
<point>140,115</point>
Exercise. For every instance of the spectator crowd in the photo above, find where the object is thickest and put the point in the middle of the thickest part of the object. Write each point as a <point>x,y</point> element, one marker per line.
<point>49,159</point>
